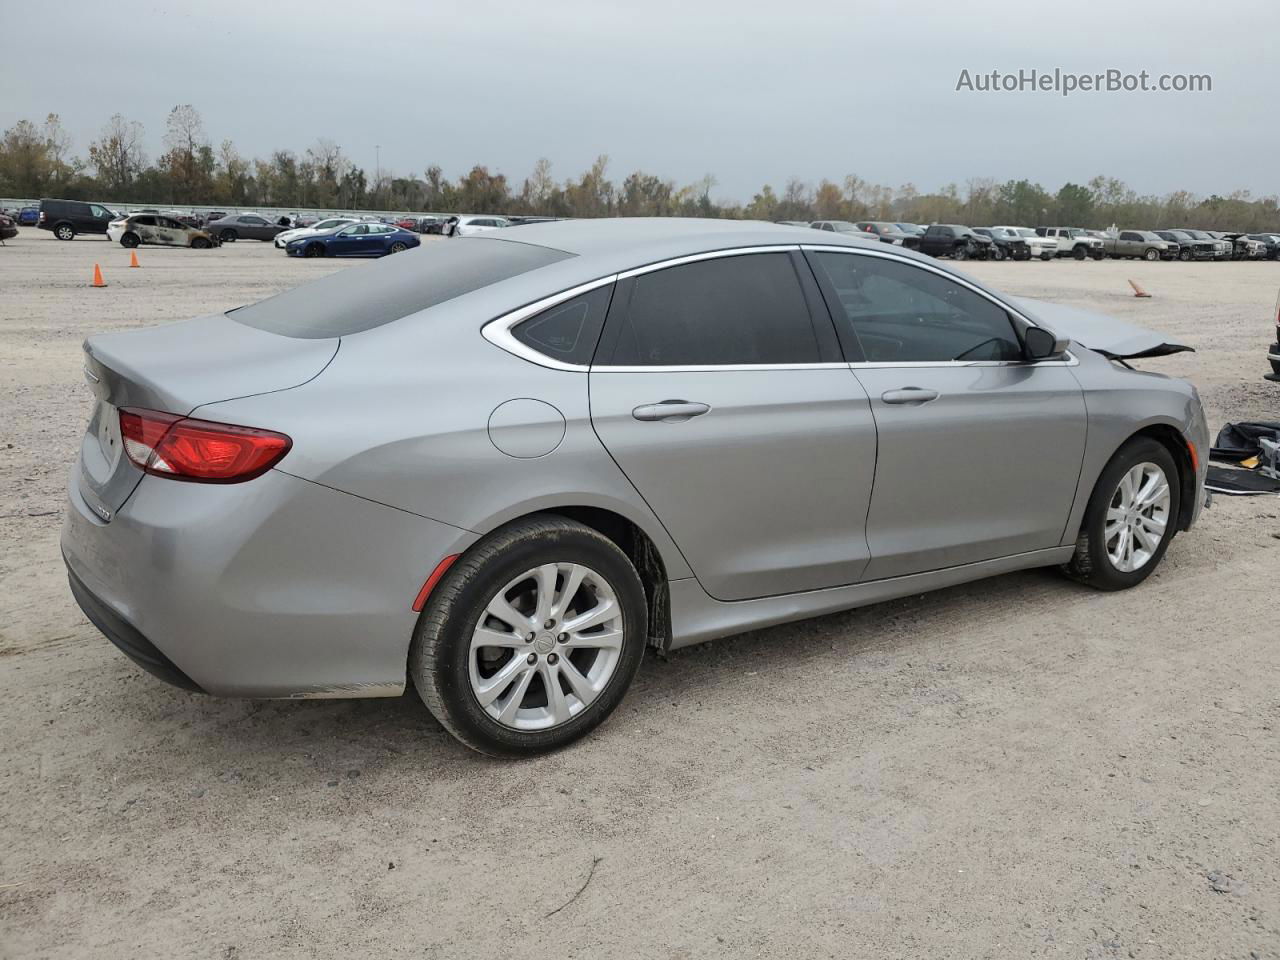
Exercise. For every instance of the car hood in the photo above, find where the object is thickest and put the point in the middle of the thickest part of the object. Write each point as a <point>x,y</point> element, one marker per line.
<point>1100,333</point>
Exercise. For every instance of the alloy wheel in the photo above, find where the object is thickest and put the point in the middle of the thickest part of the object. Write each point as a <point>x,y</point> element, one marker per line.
<point>546,646</point>
<point>1137,517</point>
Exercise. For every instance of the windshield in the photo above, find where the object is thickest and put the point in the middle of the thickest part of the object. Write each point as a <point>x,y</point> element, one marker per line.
<point>350,301</point>
<point>910,228</point>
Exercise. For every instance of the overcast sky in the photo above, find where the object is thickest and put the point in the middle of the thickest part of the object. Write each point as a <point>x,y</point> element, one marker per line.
<point>750,92</point>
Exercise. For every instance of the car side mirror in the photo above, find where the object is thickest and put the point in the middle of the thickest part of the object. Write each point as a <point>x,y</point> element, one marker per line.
<point>1040,344</point>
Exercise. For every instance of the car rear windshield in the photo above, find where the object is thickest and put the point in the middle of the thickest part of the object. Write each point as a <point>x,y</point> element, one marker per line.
<point>354,300</point>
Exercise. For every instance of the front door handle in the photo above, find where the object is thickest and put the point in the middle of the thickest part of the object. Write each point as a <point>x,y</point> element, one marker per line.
<point>670,411</point>
<point>909,395</point>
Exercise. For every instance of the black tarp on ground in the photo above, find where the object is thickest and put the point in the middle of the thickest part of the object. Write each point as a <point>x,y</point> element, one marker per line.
<point>1239,441</point>
<point>1239,482</point>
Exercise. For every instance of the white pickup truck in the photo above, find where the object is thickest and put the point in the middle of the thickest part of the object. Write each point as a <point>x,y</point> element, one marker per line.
<point>1074,242</point>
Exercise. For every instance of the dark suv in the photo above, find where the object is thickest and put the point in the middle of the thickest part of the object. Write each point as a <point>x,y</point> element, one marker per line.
<point>66,218</point>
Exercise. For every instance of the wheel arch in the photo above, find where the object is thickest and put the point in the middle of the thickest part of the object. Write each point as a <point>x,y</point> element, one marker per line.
<point>1179,447</point>
<point>633,540</point>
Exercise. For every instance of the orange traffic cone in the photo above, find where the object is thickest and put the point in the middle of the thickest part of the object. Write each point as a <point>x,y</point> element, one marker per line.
<point>1137,290</point>
<point>133,259</point>
<point>97,276</point>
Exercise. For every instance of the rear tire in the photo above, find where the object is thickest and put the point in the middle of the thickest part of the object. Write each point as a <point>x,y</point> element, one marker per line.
<point>130,240</point>
<point>1108,516</point>
<point>64,231</point>
<point>398,247</point>
<point>1046,256</point>
<point>450,671</point>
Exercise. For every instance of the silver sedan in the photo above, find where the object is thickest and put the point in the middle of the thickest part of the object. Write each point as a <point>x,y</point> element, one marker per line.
<point>501,468</point>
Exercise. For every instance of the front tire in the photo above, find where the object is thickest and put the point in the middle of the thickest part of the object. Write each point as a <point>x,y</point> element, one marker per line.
<point>1184,255</point>
<point>997,253</point>
<point>314,250</point>
<point>199,243</point>
<point>1152,255</point>
<point>1130,519</point>
<point>1080,253</point>
<point>531,639</point>
<point>228,236</point>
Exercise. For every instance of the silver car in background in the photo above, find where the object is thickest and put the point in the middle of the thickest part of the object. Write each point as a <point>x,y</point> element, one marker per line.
<point>500,468</point>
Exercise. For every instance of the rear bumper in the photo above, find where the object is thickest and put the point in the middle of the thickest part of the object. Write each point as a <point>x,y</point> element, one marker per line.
<point>278,587</point>
<point>126,637</point>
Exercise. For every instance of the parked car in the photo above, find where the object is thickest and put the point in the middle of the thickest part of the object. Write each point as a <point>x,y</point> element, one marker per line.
<point>284,236</point>
<point>1243,247</point>
<point>243,226</point>
<point>792,223</point>
<point>470,226</point>
<point>157,228</point>
<point>1189,248</point>
<point>1222,249</point>
<point>714,448</point>
<point>67,218</point>
<point>1272,242</point>
<point>364,239</point>
<point>887,232</point>
<point>1009,244</point>
<point>8,228</point>
<point>28,216</point>
<point>1073,242</point>
<point>1139,244</point>
<point>1046,248</point>
<point>955,241</point>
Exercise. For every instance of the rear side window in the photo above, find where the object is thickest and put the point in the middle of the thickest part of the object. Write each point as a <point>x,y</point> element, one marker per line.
<point>350,301</point>
<point>900,313</point>
<point>569,331</point>
<point>745,309</point>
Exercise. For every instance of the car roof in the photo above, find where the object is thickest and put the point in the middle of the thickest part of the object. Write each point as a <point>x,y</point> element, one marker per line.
<point>644,239</point>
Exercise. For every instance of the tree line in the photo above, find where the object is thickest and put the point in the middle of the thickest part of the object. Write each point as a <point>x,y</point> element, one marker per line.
<point>39,160</point>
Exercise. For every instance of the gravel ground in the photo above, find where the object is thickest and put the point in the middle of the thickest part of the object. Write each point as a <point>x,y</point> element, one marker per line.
<point>1018,768</point>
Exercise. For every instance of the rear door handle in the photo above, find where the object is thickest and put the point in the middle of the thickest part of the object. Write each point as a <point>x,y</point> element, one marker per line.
<point>670,411</point>
<point>909,395</point>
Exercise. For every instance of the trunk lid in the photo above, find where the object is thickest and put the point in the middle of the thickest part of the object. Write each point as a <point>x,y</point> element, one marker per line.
<point>176,368</point>
<point>1102,334</point>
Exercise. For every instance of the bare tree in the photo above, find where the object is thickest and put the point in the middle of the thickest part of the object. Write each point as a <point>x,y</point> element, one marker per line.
<point>117,154</point>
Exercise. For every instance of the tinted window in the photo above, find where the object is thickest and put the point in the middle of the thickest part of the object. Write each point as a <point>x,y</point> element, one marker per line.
<point>568,331</point>
<point>146,220</point>
<point>349,301</point>
<point>901,313</point>
<point>746,309</point>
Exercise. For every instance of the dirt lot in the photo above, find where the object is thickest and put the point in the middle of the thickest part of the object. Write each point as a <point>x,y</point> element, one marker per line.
<point>1018,768</point>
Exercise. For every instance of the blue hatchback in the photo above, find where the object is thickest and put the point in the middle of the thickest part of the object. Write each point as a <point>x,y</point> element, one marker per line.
<point>29,216</point>
<point>354,240</point>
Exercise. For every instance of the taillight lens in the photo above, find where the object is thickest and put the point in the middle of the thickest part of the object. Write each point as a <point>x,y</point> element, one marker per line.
<point>183,448</point>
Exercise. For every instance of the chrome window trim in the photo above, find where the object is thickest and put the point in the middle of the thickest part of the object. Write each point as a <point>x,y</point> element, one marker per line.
<point>498,331</point>
<point>707,255</point>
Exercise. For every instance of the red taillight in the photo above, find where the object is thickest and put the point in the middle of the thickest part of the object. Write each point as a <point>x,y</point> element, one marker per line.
<point>185,449</point>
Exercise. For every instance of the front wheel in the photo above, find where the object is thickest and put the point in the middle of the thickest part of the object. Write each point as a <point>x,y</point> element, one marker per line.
<point>1046,256</point>
<point>960,253</point>
<point>1184,256</point>
<point>314,250</point>
<point>129,240</point>
<point>199,243</point>
<point>1079,253</point>
<point>1151,255</point>
<point>997,253</point>
<point>228,236</point>
<point>1130,519</point>
<point>531,639</point>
